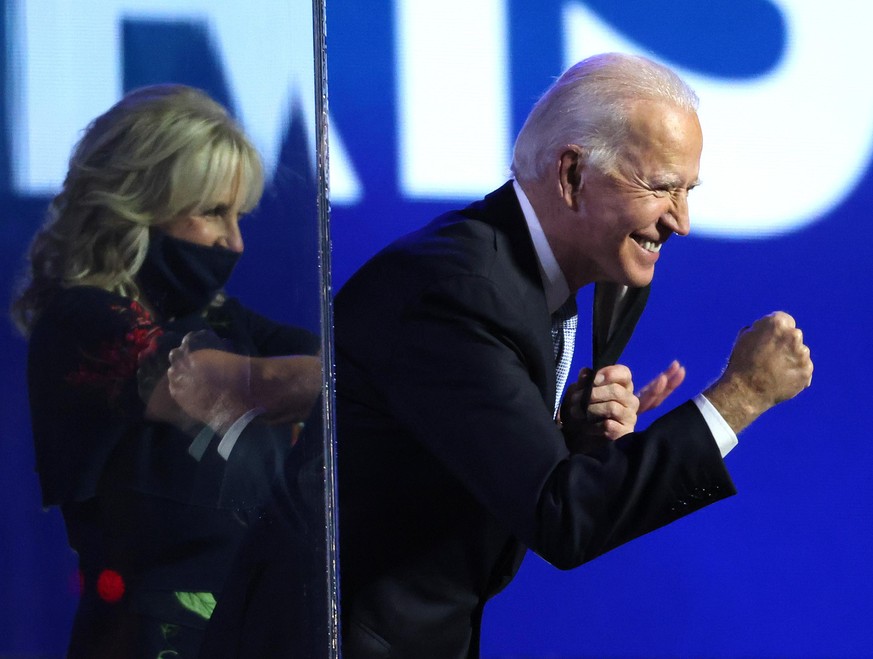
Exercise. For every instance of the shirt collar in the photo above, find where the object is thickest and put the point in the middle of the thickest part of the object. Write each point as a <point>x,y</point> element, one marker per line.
<point>555,284</point>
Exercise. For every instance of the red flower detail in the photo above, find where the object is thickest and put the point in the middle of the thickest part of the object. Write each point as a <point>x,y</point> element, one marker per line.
<point>110,586</point>
<point>116,362</point>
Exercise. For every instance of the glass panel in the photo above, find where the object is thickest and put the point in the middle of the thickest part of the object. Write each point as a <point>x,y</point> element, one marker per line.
<point>162,474</point>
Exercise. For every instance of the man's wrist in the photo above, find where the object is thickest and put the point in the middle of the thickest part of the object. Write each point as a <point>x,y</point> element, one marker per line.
<point>735,401</point>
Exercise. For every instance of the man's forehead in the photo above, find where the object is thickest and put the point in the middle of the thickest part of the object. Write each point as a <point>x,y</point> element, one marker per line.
<point>654,121</point>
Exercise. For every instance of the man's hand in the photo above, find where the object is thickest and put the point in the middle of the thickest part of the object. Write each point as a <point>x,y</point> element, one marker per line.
<point>211,386</point>
<point>769,364</point>
<point>611,410</point>
<point>216,387</point>
<point>657,391</point>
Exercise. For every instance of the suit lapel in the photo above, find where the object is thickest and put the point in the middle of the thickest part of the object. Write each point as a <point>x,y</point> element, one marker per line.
<point>608,346</point>
<point>501,210</point>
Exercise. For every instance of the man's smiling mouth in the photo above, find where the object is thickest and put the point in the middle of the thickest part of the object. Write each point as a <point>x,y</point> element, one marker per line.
<point>648,245</point>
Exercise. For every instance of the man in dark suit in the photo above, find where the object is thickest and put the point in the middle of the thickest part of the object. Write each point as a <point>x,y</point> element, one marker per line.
<point>453,460</point>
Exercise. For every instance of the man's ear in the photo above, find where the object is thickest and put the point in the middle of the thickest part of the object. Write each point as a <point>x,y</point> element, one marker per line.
<point>570,175</point>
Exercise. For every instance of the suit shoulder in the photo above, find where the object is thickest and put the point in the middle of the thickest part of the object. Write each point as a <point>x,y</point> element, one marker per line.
<point>449,246</point>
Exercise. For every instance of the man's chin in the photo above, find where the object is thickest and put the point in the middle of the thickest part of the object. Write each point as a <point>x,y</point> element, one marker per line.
<point>631,275</point>
<point>639,278</point>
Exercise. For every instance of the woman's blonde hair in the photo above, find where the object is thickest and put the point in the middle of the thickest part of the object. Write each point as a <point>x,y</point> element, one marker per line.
<point>159,152</point>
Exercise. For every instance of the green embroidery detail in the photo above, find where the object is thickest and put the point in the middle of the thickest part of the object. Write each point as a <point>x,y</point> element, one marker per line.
<point>169,630</point>
<point>201,604</point>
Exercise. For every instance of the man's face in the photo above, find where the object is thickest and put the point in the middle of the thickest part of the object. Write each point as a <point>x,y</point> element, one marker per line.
<point>625,216</point>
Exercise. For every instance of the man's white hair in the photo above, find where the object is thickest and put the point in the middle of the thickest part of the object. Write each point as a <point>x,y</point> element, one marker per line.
<point>589,106</point>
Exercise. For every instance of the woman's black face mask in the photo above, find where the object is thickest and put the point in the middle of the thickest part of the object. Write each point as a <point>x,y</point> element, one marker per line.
<point>179,277</point>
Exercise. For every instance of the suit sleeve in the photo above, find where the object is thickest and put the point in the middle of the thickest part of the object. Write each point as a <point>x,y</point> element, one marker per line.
<point>461,378</point>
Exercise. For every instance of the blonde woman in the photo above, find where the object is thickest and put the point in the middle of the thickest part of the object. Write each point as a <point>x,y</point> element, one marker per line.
<point>157,471</point>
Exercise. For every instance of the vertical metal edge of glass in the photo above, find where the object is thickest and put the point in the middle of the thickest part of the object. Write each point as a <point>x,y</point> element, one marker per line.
<point>319,27</point>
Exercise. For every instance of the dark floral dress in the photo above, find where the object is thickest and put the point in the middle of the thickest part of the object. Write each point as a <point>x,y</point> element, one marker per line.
<point>154,512</point>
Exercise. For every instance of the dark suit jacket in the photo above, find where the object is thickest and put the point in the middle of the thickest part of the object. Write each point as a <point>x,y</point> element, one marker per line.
<point>450,465</point>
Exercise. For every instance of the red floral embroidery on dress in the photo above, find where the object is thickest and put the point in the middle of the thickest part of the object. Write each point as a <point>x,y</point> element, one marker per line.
<point>116,362</point>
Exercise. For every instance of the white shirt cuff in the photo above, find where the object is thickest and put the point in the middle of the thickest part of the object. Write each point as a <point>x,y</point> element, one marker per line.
<point>225,446</point>
<point>724,435</point>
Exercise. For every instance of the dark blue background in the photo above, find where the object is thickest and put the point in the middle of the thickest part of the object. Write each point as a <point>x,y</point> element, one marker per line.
<point>779,570</point>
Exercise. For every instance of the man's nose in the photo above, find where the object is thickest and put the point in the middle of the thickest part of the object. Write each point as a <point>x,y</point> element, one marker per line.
<point>676,218</point>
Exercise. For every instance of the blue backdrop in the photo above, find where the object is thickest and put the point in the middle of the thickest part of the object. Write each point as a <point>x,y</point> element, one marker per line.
<point>424,104</point>
<point>780,569</point>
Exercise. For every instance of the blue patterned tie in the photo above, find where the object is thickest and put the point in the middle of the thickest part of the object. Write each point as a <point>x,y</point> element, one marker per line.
<point>564,322</point>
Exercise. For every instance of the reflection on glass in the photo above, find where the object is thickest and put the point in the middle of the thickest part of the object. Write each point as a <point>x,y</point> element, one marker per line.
<point>157,421</point>
<point>167,413</point>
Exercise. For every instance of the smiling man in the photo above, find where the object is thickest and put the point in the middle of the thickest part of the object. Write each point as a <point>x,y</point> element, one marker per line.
<point>612,217</point>
<point>451,345</point>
